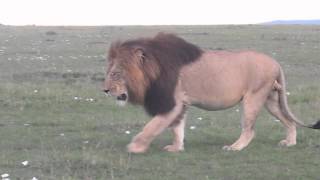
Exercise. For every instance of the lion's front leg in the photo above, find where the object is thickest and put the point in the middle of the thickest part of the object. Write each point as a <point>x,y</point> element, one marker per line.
<point>178,130</point>
<point>157,125</point>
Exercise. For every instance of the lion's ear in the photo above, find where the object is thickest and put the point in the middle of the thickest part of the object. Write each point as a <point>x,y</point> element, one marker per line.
<point>140,53</point>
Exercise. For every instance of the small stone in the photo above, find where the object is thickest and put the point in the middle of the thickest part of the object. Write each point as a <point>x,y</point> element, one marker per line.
<point>25,163</point>
<point>5,175</point>
<point>89,99</point>
<point>192,127</point>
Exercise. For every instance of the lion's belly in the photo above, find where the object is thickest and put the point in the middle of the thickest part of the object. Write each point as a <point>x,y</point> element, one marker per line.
<point>212,106</point>
<point>213,99</point>
<point>213,93</point>
<point>214,84</point>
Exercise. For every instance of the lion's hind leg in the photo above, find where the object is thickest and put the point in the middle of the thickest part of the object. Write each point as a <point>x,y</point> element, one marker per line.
<point>252,104</point>
<point>273,106</point>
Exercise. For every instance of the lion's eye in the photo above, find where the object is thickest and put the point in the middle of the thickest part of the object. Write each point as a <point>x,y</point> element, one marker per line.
<point>115,75</point>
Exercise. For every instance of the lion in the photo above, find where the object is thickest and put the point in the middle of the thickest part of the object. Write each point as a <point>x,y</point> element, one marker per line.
<point>167,74</point>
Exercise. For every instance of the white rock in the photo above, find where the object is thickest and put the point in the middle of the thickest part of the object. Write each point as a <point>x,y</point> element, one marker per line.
<point>5,175</point>
<point>128,132</point>
<point>90,99</point>
<point>288,93</point>
<point>34,178</point>
<point>192,127</point>
<point>199,118</point>
<point>25,163</point>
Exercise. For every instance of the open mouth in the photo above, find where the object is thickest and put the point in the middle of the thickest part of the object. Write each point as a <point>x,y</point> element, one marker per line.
<point>122,97</point>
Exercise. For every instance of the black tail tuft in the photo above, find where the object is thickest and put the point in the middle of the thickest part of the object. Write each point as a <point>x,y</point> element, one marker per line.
<point>316,125</point>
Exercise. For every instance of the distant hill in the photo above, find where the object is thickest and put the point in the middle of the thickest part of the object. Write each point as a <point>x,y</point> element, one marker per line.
<point>302,22</point>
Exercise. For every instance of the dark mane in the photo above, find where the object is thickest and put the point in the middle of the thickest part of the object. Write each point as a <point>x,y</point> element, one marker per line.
<point>170,53</point>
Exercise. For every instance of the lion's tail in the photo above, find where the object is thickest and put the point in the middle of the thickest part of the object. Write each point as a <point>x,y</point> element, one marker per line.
<point>284,104</point>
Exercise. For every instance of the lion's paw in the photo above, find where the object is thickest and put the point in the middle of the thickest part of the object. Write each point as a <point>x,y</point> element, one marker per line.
<point>173,148</point>
<point>230,148</point>
<point>135,148</point>
<point>286,143</point>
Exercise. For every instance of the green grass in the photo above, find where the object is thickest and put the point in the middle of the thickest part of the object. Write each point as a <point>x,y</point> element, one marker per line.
<point>54,115</point>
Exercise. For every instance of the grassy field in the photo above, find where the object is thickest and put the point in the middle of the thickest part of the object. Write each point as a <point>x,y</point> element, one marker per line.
<point>54,116</point>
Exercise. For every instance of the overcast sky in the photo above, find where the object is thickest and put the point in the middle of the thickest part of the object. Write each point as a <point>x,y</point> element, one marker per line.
<point>152,12</point>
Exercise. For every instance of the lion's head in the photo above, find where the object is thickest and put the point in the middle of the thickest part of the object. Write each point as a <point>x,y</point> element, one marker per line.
<point>129,72</point>
<point>145,71</point>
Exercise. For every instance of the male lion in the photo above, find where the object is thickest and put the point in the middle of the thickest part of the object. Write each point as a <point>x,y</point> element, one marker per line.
<point>166,74</point>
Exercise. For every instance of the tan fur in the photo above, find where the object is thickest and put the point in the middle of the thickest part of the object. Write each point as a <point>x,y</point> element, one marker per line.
<point>215,80</point>
<point>220,80</point>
